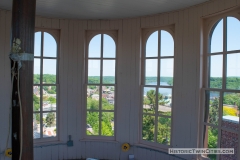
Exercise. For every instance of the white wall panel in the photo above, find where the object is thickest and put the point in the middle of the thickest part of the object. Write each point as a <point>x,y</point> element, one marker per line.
<point>63,79</point>
<point>123,89</point>
<point>135,81</point>
<point>55,23</point>
<point>71,83</point>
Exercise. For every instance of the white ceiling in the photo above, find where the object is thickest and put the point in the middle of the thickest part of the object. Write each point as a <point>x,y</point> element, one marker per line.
<point>104,9</point>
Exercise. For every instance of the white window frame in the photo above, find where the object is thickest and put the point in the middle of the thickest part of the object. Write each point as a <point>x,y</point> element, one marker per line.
<point>56,35</point>
<point>208,24</point>
<point>146,33</point>
<point>89,35</point>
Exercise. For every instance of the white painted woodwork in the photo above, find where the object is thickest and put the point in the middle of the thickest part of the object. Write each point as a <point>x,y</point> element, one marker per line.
<point>187,69</point>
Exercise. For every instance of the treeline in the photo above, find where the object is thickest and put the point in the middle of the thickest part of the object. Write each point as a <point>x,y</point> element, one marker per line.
<point>168,80</point>
<point>111,79</point>
<point>215,82</point>
<point>106,79</point>
<point>231,82</point>
<point>47,78</point>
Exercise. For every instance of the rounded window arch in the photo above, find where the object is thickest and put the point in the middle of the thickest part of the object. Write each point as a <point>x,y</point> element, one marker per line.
<point>224,35</point>
<point>101,85</point>
<point>105,41</point>
<point>157,86</point>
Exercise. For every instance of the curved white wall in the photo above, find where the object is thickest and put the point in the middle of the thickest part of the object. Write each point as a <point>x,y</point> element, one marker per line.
<point>187,83</point>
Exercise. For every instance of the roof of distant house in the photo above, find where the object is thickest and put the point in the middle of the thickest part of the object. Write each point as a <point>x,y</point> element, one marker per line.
<point>231,119</point>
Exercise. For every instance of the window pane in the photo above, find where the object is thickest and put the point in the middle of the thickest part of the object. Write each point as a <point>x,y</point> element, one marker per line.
<point>152,45</point>
<point>94,49</point>
<point>167,44</point>
<point>108,71</point>
<point>93,97</point>
<point>233,71</point>
<point>49,71</point>
<point>210,140</point>
<point>36,125</point>
<point>217,38</point>
<point>108,93</point>
<point>109,47</point>
<point>36,68</point>
<point>148,128</point>
<point>165,101</point>
<point>149,100</point>
<point>164,130</point>
<point>37,44</point>
<point>166,72</point>
<point>233,34</point>
<point>107,124</point>
<point>216,67</point>
<point>92,123</point>
<point>94,71</point>
<point>49,46</point>
<point>231,104</point>
<point>36,98</point>
<point>49,98</point>
<point>151,71</point>
<point>49,124</point>
<point>229,140</point>
<point>212,107</point>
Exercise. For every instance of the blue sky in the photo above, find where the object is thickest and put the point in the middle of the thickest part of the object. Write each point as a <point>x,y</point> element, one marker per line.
<point>233,43</point>
<point>49,50</point>
<point>166,49</point>
<point>109,51</point>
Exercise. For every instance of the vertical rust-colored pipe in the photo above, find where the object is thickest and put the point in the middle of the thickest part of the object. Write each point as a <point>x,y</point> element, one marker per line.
<point>23,24</point>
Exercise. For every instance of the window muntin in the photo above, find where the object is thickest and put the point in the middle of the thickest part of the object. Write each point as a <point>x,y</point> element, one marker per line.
<point>101,85</point>
<point>45,86</point>
<point>222,95</point>
<point>157,88</point>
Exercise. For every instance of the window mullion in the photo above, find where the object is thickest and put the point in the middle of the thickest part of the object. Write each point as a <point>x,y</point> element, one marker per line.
<point>158,83</point>
<point>224,53</point>
<point>159,55</point>
<point>220,121</point>
<point>41,86</point>
<point>156,115</point>
<point>100,87</point>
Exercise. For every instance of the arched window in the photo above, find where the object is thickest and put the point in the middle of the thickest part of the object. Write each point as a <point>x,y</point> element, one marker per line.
<point>157,87</point>
<point>222,87</point>
<point>101,85</point>
<point>45,86</point>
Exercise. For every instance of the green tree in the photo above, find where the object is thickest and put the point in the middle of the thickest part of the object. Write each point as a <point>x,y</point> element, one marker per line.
<point>92,104</point>
<point>106,105</point>
<point>148,127</point>
<point>93,117</point>
<point>212,141</point>
<point>52,100</point>
<point>149,121</point>
<point>50,119</point>
<point>164,130</point>
<point>36,103</point>
<point>213,111</point>
<point>93,121</point>
<point>232,99</point>
<point>151,97</point>
<point>146,101</point>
